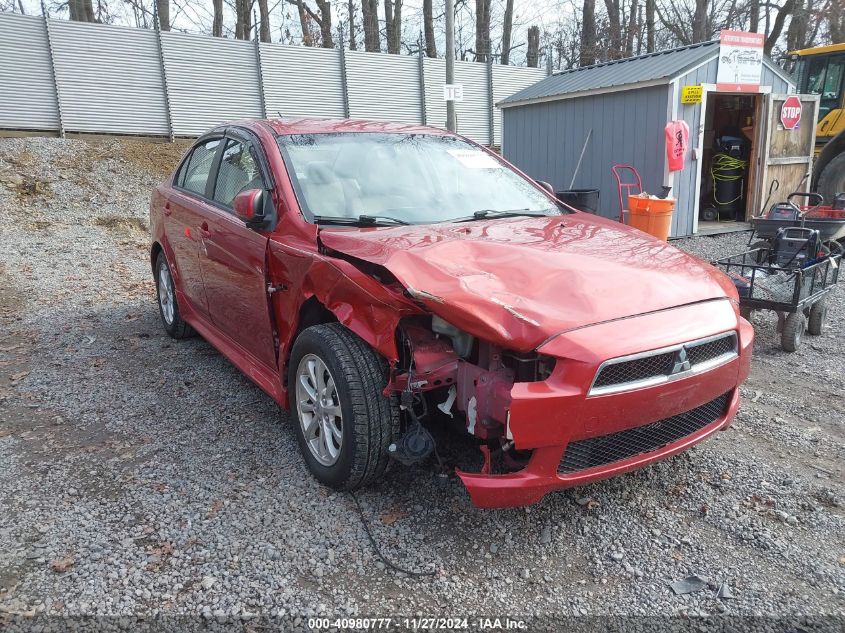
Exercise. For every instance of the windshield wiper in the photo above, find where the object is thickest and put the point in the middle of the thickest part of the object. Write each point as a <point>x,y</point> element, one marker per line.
<point>483,214</point>
<point>361,220</point>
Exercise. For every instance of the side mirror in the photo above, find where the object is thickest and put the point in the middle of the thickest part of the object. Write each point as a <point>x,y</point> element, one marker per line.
<point>546,186</point>
<point>249,206</point>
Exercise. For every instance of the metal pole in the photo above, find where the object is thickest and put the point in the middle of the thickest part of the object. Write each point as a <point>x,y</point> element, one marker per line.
<point>343,80</point>
<point>451,124</point>
<point>53,69</point>
<point>421,69</point>
<point>170,131</point>
<point>491,109</point>
<point>260,70</point>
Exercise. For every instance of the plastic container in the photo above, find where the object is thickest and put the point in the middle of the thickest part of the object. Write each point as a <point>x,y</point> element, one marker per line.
<point>651,214</point>
<point>586,200</point>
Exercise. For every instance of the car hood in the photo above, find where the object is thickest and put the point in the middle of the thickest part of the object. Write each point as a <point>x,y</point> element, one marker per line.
<point>519,281</point>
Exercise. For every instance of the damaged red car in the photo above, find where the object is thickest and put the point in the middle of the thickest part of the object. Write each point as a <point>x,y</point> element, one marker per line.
<point>367,275</point>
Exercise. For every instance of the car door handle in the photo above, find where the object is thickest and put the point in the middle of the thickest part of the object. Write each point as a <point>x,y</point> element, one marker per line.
<point>167,209</point>
<point>204,232</point>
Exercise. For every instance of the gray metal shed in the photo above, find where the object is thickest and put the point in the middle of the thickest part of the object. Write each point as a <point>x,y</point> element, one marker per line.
<point>626,103</point>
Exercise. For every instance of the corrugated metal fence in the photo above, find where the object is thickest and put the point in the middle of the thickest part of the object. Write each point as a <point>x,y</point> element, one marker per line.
<point>75,77</point>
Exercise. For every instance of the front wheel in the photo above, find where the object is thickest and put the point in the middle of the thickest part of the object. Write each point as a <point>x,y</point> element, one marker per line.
<point>793,331</point>
<point>817,317</point>
<point>344,422</point>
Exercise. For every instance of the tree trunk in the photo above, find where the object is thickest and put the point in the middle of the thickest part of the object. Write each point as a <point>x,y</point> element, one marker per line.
<point>507,31</point>
<point>777,26</point>
<point>533,53</point>
<point>325,22</point>
<point>796,34</point>
<point>217,23</point>
<point>699,21</point>
<point>75,9</point>
<point>372,39</point>
<point>482,30</point>
<point>614,28</point>
<point>649,25</point>
<point>835,14</point>
<point>163,9</point>
<point>588,34</point>
<point>88,6</point>
<point>353,43</point>
<point>393,25</point>
<point>428,27</point>
<point>754,17</point>
<point>632,29</point>
<point>264,17</point>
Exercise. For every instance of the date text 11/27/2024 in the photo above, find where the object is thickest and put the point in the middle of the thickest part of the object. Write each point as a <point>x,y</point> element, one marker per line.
<point>419,624</point>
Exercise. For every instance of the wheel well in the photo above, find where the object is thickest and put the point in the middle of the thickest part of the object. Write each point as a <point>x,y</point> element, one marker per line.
<point>311,312</point>
<point>831,150</point>
<point>154,251</point>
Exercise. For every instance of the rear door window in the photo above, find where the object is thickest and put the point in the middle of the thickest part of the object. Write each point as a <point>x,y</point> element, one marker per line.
<point>238,172</point>
<point>194,176</point>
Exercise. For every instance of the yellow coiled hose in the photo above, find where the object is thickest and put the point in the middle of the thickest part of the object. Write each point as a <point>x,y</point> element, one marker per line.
<point>725,168</point>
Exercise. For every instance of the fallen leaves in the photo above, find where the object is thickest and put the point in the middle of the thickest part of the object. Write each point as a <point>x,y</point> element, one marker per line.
<point>17,377</point>
<point>391,517</point>
<point>216,506</point>
<point>62,565</point>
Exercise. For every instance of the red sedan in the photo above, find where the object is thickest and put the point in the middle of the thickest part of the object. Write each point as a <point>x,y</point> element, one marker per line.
<point>366,275</point>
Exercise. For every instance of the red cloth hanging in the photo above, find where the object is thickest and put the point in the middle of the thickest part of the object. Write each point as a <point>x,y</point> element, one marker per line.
<point>677,144</point>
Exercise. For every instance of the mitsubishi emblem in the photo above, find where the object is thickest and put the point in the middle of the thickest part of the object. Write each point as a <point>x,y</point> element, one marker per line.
<point>682,363</point>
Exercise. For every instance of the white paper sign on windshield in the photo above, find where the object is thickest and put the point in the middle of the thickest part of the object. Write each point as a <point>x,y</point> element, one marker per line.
<point>475,159</point>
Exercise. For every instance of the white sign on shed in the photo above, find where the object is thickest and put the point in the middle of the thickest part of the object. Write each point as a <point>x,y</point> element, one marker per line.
<point>453,92</point>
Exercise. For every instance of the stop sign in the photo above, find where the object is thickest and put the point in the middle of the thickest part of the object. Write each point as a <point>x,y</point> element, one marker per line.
<point>790,112</point>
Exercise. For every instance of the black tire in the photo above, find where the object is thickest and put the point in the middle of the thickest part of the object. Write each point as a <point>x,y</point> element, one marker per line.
<point>832,179</point>
<point>793,331</point>
<point>815,324</point>
<point>176,327</point>
<point>370,421</point>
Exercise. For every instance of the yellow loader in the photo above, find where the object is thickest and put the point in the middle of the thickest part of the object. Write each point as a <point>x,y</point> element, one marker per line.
<point>821,71</point>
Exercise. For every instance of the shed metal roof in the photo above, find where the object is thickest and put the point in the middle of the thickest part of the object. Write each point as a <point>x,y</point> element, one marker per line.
<point>644,70</point>
<point>652,67</point>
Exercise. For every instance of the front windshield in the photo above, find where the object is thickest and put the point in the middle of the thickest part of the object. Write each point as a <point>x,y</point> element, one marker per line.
<point>413,178</point>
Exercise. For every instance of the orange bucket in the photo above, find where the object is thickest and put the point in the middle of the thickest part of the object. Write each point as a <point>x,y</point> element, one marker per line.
<point>652,215</point>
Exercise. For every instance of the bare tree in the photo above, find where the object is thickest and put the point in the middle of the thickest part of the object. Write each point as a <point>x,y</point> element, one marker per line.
<point>614,29</point>
<point>507,32</point>
<point>631,34</point>
<point>777,26</point>
<point>372,38</point>
<point>393,25</point>
<point>532,55</point>
<point>649,25</point>
<point>163,10</point>
<point>263,21</point>
<point>482,30</point>
<point>588,33</point>
<point>217,20</point>
<point>699,21</point>
<point>428,28</point>
<point>353,42</point>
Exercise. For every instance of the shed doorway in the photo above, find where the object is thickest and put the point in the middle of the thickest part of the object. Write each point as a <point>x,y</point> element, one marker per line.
<point>730,152</point>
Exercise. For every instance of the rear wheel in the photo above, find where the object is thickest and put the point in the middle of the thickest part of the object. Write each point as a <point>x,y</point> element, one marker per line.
<point>818,313</point>
<point>793,331</point>
<point>168,307</point>
<point>832,179</point>
<point>344,422</point>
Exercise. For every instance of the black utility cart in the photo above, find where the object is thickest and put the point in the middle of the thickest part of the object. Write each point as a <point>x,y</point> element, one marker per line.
<point>792,265</point>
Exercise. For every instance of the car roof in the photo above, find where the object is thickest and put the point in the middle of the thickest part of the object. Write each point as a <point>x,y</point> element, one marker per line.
<point>305,125</point>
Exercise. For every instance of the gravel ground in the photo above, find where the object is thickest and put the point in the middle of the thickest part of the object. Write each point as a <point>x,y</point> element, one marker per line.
<point>144,476</point>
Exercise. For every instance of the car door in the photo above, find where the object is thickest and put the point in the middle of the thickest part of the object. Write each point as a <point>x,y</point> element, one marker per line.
<point>233,258</point>
<point>184,214</point>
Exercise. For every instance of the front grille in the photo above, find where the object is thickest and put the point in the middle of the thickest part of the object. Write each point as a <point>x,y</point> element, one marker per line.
<point>606,449</point>
<point>650,368</point>
<point>633,370</point>
<point>712,349</point>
